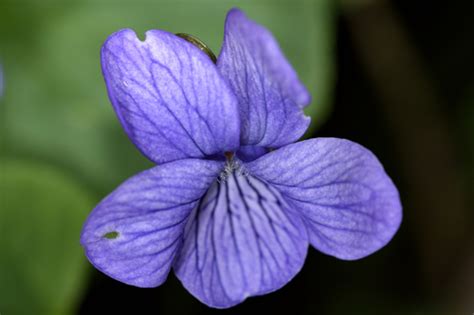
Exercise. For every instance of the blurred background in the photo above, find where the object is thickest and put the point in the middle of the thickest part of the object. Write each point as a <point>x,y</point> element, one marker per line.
<point>395,76</point>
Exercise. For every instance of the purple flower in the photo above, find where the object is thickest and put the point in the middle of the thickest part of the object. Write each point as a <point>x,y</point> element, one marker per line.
<point>234,203</point>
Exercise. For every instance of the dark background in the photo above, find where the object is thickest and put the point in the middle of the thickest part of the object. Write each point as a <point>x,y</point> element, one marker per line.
<point>402,85</point>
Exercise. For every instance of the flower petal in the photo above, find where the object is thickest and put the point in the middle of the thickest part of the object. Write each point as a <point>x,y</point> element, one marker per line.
<point>240,241</point>
<point>134,233</point>
<point>349,204</point>
<point>270,95</point>
<point>169,96</point>
<point>249,153</point>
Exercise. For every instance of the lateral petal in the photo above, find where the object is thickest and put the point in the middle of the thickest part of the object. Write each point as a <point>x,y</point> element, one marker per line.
<point>134,234</point>
<point>349,204</point>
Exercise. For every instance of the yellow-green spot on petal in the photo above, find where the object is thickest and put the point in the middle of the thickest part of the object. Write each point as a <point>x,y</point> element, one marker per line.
<point>111,235</point>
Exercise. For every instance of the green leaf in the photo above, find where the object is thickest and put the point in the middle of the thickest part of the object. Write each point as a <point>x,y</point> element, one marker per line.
<point>56,103</point>
<point>42,265</point>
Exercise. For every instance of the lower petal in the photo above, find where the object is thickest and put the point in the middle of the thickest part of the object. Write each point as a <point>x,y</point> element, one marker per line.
<point>240,241</point>
<point>133,235</point>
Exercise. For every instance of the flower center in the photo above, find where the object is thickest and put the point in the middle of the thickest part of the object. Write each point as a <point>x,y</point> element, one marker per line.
<point>232,166</point>
<point>229,155</point>
<point>199,44</point>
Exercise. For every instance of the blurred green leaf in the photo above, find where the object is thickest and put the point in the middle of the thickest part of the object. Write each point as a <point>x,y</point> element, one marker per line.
<point>56,103</point>
<point>42,265</point>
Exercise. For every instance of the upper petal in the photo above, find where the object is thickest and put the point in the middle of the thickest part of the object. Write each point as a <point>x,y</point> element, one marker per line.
<point>169,96</point>
<point>270,95</point>
<point>133,234</point>
<point>349,204</point>
<point>240,241</point>
<point>249,153</point>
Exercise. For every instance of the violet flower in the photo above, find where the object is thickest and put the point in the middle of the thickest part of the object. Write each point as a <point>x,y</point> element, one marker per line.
<point>234,202</point>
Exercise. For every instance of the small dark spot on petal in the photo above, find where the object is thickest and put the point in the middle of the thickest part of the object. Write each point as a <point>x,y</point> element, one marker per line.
<point>111,235</point>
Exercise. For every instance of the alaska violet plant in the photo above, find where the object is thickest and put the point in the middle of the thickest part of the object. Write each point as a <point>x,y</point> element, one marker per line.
<point>234,202</point>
